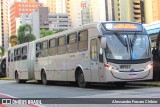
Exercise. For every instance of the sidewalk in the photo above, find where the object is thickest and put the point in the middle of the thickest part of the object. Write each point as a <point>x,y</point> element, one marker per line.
<point>145,83</point>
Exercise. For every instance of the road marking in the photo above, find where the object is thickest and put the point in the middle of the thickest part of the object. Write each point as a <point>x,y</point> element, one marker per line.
<point>9,96</point>
<point>1,105</point>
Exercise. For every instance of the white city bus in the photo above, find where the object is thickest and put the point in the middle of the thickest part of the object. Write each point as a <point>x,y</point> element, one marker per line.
<point>102,52</point>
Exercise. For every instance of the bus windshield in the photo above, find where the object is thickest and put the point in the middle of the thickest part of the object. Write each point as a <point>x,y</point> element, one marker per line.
<point>127,46</point>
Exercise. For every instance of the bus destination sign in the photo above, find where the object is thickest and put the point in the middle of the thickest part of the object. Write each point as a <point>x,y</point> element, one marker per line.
<point>123,26</point>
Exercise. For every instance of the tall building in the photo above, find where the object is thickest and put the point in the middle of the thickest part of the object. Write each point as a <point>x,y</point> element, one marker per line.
<point>78,11</point>
<point>31,19</point>
<point>152,10</point>
<point>101,10</point>
<point>51,4</point>
<point>129,10</point>
<point>4,24</point>
<point>59,21</point>
<point>57,6</point>
<point>17,9</point>
<point>43,17</point>
<point>31,1</point>
<point>60,6</point>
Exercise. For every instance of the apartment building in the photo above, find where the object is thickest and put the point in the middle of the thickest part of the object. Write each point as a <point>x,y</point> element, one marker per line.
<point>19,8</point>
<point>4,32</point>
<point>152,10</point>
<point>129,10</point>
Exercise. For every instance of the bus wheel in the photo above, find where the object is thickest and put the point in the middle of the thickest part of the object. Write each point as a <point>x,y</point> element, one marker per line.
<point>18,80</point>
<point>44,78</point>
<point>81,80</point>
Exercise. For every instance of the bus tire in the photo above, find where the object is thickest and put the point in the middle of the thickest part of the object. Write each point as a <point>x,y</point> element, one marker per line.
<point>44,78</point>
<point>18,80</point>
<point>81,80</point>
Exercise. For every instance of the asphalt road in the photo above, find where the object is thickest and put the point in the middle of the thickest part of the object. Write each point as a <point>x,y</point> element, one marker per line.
<point>65,90</point>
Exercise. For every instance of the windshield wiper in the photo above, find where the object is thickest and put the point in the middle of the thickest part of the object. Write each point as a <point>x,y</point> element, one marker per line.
<point>131,45</point>
<point>133,40</point>
<point>124,42</point>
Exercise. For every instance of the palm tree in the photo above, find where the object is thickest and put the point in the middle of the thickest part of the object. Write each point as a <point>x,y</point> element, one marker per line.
<point>30,37</point>
<point>1,51</point>
<point>25,34</point>
<point>13,40</point>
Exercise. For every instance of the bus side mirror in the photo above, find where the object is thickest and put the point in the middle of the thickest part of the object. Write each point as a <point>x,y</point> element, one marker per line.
<point>103,42</point>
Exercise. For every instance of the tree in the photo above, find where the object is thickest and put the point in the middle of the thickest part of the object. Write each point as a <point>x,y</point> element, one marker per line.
<point>25,34</point>
<point>1,51</point>
<point>13,40</point>
<point>30,37</point>
<point>43,33</point>
<point>49,32</point>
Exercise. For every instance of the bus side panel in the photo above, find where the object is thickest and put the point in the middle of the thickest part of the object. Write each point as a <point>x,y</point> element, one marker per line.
<point>22,64</point>
<point>80,59</point>
<point>22,68</point>
<point>60,67</point>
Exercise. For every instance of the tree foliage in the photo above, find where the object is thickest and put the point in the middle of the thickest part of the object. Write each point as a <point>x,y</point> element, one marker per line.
<point>24,35</point>
<point>13,40</point>
<point>1,51</point>
<point>49,32</point>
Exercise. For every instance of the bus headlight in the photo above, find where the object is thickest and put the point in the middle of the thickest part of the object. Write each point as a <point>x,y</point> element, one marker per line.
<point>110,67</point>
<point>149,66</point>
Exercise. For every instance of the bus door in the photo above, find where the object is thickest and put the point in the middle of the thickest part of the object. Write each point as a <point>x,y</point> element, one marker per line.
<point>94,60</point>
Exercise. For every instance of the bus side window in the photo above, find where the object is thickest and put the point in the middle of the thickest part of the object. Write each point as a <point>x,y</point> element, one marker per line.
<point>38,50</point>
<point>93,51</point>
<point>12,57</point>
<point>15,54</point>
<point>9,56</point>
<point>62,45</point>
<point>52,47</point>
<point>19,54</point>
<point>24,52</point>
<point>83,40</point>
<point>72,43</point>
<point>44,50</point>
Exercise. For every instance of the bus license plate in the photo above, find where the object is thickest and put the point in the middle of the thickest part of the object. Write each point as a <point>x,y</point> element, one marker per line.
<point>132,75</point>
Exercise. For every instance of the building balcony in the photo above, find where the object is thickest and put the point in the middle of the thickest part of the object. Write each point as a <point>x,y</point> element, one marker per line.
<point>136,1</point>
<point>137,6</point>
<point>137,11</point>
<point>138,20</point>
<point>137,16</point>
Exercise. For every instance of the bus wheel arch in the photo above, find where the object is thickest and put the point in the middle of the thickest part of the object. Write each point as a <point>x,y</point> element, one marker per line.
<point>79,77</point>
<point>18,80</point>
<point>44,77</point>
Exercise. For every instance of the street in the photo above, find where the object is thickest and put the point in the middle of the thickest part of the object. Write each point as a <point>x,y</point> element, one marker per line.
<point>65,90</point>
